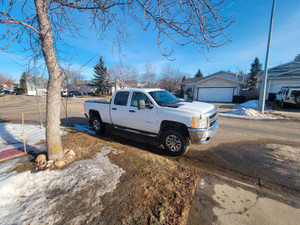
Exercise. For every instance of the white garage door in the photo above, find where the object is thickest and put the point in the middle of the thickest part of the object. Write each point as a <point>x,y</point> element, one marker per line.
<point>215,94</point>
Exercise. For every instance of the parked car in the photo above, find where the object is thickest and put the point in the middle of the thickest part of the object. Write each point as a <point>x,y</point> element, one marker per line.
<point>74,93</point>
<point>18,93</point>
<point>288,95</point>
<point>90,93</point>
<point>64,93</point>
<point>2,93</point>
<point>7,92</point>
<point>156,113</point>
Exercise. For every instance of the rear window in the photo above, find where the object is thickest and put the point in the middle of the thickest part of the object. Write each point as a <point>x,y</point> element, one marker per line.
<point>121,98</point>
<point>295,93</point>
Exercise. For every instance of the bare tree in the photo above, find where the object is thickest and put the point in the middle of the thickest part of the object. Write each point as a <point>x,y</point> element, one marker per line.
<point>171,79</point>
<point>149,75</point>
<point>123,75</point>
<point>7,81</point>
<point>43,25</point>
<point>73,78</point>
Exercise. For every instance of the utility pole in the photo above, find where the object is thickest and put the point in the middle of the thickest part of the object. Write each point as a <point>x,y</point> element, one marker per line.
<point>263,87</point>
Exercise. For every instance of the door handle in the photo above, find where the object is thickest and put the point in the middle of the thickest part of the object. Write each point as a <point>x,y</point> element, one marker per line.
<point>113,108</point>
<point>132,111</point>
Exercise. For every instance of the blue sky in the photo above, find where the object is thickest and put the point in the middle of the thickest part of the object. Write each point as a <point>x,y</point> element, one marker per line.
<point>249,36</point>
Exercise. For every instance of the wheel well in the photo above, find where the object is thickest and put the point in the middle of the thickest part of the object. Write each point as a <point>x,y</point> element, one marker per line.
<point>93,113</point>
<point>171,125</point>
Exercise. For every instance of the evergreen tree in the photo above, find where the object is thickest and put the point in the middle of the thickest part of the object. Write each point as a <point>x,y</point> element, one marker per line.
<point>198,74</point>
<point>297,58</point>
<point>100,77</point>
<point>256,67</point>
<point>23,86</point>
<point>183,78</point>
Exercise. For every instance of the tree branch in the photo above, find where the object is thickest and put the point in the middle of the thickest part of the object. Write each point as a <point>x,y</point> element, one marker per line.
<point>12,20</point>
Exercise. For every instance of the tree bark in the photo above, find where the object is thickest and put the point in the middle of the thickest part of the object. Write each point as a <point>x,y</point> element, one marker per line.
<point>56,77</point>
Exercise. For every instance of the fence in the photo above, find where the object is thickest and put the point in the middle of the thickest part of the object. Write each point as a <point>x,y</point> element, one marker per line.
<point>249,94</point>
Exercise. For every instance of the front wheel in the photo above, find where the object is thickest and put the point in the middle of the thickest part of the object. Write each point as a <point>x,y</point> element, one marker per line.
<point>297,99</point>
<point>98,125</point>
<point>282,104</point>
<point>175,143</point>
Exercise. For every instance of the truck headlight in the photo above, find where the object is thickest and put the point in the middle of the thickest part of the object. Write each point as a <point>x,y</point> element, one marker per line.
<point>200,123</point>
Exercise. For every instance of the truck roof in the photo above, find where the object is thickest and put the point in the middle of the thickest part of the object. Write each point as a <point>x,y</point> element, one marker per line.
<point>141,89</point>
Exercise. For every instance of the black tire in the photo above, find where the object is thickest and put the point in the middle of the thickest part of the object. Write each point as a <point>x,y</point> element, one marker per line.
<point>175,143</point>
<point>282,104</point>
<point>97,125</point>
<point>297,99</point>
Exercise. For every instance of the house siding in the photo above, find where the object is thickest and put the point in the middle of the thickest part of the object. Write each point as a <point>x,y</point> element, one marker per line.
<point>283,75</point>
<point>215,83</point>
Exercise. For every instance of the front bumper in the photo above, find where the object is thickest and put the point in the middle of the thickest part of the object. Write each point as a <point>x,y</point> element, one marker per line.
<point>203,136</point>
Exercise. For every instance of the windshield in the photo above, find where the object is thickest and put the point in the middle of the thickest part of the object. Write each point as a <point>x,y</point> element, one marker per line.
<point>163,98</point>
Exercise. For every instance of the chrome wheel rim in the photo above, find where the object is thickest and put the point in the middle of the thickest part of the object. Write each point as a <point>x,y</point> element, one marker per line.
<point>173,143</point>
<point>96,125</point>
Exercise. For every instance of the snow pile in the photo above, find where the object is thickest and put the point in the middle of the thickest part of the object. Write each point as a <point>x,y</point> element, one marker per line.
<point>284,152</point>
<point>11,136</point>
<point>42,198</point>
<point>248,110</point>
<point>253,104</point>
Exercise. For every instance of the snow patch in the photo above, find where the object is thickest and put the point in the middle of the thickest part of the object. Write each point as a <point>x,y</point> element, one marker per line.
<point>11,136</point>
<point>9,165</point>
<point>34,197</point>
<point>248,110</point>
<point>250,104</point>
<point>284,152</point>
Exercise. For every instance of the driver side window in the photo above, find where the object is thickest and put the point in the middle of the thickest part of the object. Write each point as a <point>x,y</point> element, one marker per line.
<point>136,96</point>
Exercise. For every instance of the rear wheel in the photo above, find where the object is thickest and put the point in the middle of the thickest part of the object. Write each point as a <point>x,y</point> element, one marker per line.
<point>98,125</point>
<point>175,143</point>
<point>297,99</point>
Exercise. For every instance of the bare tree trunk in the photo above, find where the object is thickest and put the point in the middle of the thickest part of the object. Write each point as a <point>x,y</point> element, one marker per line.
<point>56,77</point>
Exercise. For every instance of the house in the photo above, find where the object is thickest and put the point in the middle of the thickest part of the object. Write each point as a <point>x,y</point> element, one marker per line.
<point>88,88</point>
<point>218,87</point>
<point>187,87</point>
<point>287,74</point>
<point>8,85</point>
<point>36,85</point>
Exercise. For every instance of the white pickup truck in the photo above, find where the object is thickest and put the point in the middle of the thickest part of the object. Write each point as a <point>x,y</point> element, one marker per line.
<point>156,112</point>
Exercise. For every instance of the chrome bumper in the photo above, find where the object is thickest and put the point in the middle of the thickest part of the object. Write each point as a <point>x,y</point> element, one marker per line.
<point>203,136</point>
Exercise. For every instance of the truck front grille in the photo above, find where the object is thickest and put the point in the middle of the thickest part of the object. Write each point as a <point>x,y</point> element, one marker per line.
<point>212,118</point>
<point>211,124</point>
<point>213,115</point>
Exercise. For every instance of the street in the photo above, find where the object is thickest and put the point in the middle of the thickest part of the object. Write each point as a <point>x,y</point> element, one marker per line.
<point>259,158</point>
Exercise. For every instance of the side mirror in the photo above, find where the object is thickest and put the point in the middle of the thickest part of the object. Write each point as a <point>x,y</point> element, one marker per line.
<point>141,104</point>
<point>150,106</point>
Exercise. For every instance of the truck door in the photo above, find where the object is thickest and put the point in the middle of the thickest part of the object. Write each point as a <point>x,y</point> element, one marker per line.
<point>144,119</point>
<point>119,108</point>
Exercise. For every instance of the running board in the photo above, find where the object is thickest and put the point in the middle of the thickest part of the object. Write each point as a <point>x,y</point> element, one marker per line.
<point>136,131</point>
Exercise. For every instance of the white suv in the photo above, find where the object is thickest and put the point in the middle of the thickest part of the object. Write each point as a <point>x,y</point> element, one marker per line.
<point>288,95</point>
